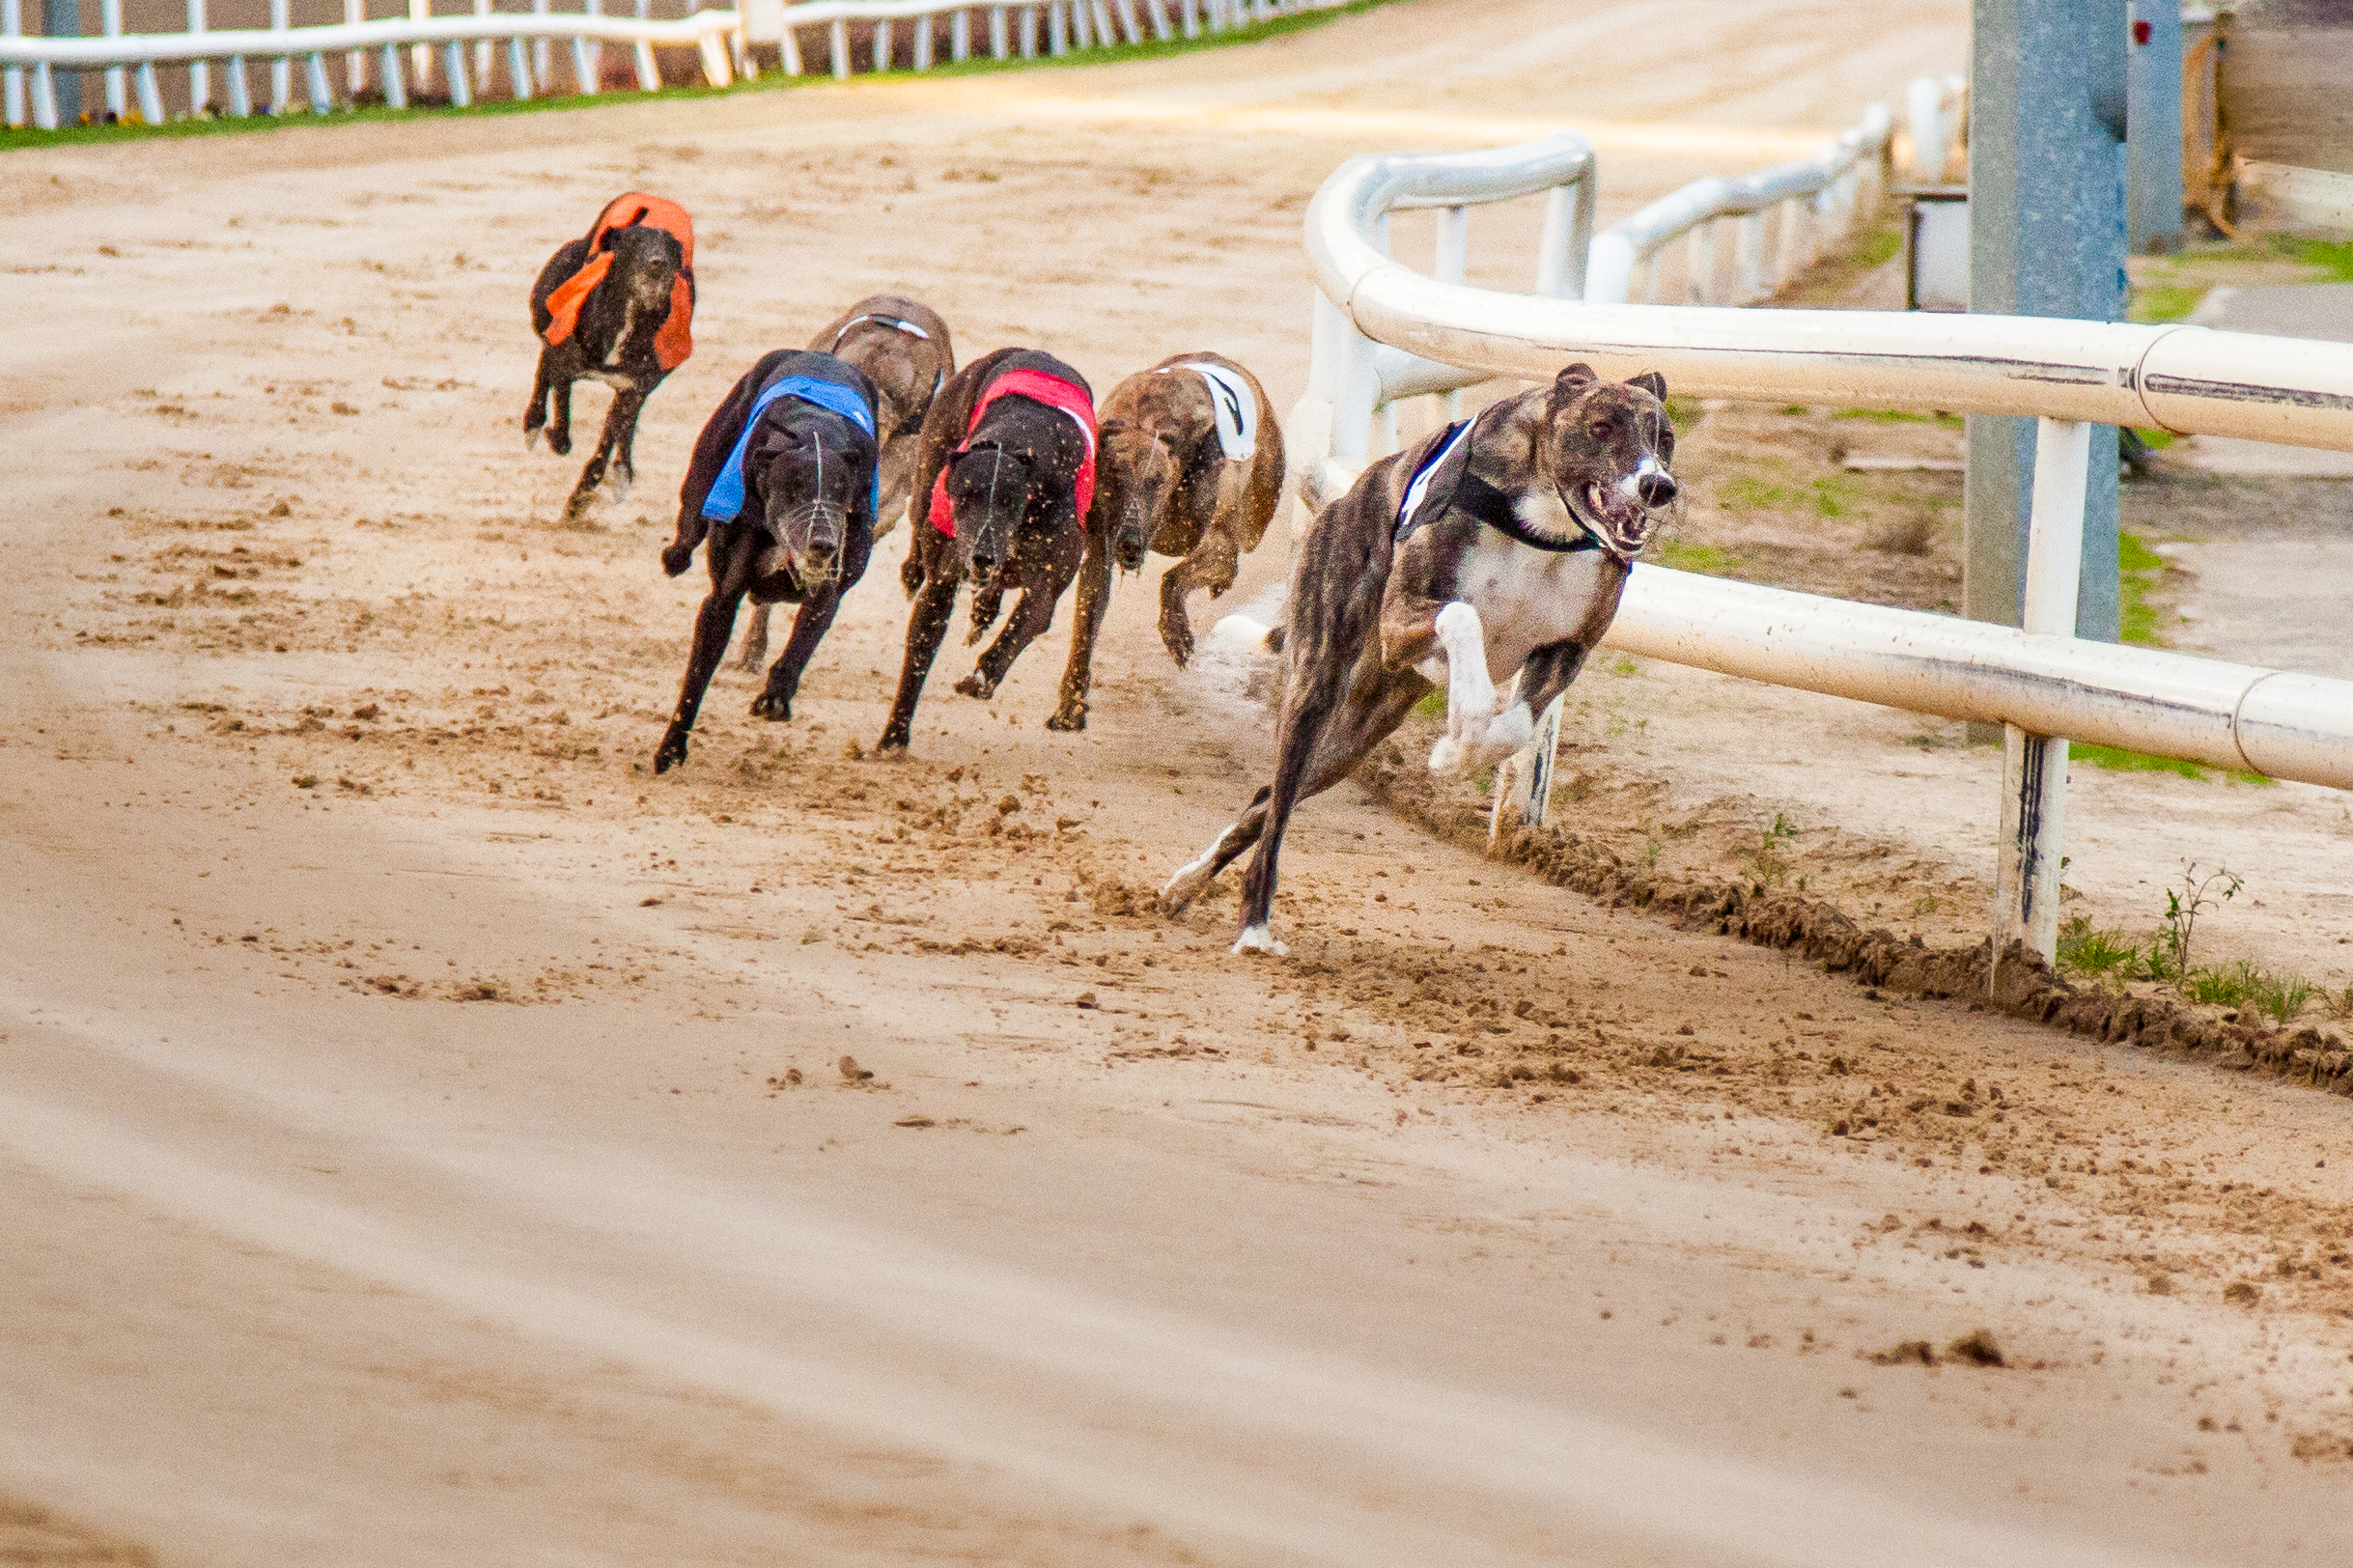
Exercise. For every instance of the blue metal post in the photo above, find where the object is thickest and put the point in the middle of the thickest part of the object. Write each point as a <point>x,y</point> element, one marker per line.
<point>2047,233</point>
<point>2152,182</point>
<point>63,18</point>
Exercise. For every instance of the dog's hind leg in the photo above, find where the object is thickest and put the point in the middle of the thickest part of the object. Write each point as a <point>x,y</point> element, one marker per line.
<point>1086,624</point>
<point>755,639</point>
<point>731,560</point>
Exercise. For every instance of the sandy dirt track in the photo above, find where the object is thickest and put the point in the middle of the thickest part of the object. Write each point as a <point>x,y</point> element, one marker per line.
<point>423,1132</point>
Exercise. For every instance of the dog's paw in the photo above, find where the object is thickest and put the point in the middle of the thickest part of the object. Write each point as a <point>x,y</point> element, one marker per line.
<point>894,739</point>
<point>1240,633</point>
<point>1186,885</point>
<point>1259,939</point>
<point>1176,635</point>
<point>1508,732</point>
<point>773,705</point>
<point>621,480</point>
<point>676,558</point>
<point>559,441</point>
<point>531,437</point>
<point>1068,720</point>
<point>1449,756</point>
<point>977,684</point>
<point>673,752</point>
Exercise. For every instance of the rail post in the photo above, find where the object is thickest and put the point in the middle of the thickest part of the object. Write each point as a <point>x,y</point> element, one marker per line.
<point>281,65</point>
<point>314,81</point>
<point>1189,17</point>
<point>240,87</point>
<point>44,97</point>
<point>2152,144</point>
<point>1453,260</point>
<point>881,55</point>
<point>960,36</point>
<point>1564,245</point>
<point>355,61</point>
<point>12,80</point>
<point>2034,767</point>
<point>837,48</point>
<point>200,71</point>
<point>110,23</point>
<point>543,74</point>
<point>1001,43</point>
<point>649,74</point>
<point>712,50</point>
<point>519,70</point>
<point>1029,32</point>
<point>483,57</point>
<point>151,98</point>
<point>787,50</point>
<point>923,42</point>
<point>63,91</point>
<point>453,67</point>
<point>1162,32</point>
<point>396,89</point>
<point>584,60</point>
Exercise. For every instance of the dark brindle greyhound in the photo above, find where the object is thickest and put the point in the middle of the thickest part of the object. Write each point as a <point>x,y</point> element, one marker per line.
<point>902,346</point>
<point>1004,478</point>
<point>617,307</point>
<point>783,481</point>
<point>1494,550</point>
<point>1193,465</point>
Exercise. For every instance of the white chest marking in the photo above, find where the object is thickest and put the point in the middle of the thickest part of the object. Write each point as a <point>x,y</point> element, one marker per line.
<point>1527,597</point>
<point>621,339</point>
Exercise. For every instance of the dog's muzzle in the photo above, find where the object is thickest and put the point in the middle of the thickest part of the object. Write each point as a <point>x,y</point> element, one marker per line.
<point>813,536</point>
<point>1128,542</point>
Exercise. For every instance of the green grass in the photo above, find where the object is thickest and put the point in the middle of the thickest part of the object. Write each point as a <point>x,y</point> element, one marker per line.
<point>1879,247</point>
<point>2334,257</point>
<point>1705,559</point>
<point>11,140</point>
<point>1433,706</point>
<point>2164,302</point>
<point>2156,441</point>
<point>2119,760</point>
<point>2137,570</point>
<point>1832,495</point>
<point>1901,416</point>
<point>2280,997</point>
<point>2096,953</point>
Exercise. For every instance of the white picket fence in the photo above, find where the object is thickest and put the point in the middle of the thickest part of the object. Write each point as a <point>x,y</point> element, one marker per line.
<point>1384,330</point>
<point>398,56</point>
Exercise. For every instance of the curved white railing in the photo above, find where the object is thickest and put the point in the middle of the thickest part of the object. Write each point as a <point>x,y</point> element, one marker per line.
<point>721,38</point>
<point>1385,328</point>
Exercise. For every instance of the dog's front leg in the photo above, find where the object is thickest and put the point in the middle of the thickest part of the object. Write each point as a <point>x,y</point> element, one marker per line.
<point>1470,692</point>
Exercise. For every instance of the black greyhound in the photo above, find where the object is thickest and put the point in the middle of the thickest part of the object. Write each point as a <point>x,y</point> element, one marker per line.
<point>902,346</point>
<point>617,307</point>
<point>1003,484</point>
<point>1494,551</point>
<point>783,482</point>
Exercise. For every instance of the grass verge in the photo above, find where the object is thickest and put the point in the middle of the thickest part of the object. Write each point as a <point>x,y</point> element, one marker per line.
<point>23,137</point>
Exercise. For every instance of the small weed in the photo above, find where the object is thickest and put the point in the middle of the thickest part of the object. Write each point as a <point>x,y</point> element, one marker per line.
<point>2284,998</point>
<point>2227,985</point>
<point>2335,257</point>
<point>2183,905</point>
<point>1623,665</point>
<point>1927,742</point>
<point>1766,863</point>
<point>1796,411</point>
<point>2156,441</point>
<point>1433,706</point>
<point>2139,569</point>
<point>2098,954</point>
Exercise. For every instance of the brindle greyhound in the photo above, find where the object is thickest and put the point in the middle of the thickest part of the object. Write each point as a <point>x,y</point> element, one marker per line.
<point>783,481</point>
<point>1193,465</point>
<point>1494,550</point>
<point>1005,475</point>
<point>903,348</point>
<point>617,307</point>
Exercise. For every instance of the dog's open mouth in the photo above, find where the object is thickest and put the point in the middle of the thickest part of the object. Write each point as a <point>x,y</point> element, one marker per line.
<point>1620,527</point>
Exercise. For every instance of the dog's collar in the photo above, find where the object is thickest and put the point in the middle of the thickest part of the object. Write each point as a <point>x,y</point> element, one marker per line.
<point>894,322</point>
<point>1465,491</point>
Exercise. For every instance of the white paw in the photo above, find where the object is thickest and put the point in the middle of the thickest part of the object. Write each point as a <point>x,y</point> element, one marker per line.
<point>1259,939</point>
<point>1239,634</point>
<point>1449,756</point>
<point>1182,889</point>
<point>1508,732</point>
<point>531,438</point>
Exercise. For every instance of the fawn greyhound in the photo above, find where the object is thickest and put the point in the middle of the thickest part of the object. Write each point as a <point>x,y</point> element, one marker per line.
<point>1193,465</point>
<point>1493,551</point>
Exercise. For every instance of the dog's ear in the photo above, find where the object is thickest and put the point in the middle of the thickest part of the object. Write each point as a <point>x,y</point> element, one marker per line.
<point>1575,379</point>
<point>1650,382</point>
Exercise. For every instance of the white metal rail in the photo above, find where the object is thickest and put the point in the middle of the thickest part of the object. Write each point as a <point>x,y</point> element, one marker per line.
<point>1383,328</point>
<point>402,48</point>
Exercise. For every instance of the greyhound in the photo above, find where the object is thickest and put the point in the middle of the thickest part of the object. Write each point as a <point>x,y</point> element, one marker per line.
<point>1005,475</point>
<point>617,307</point>
<point>1495,549</point>
<point>783,481</point>
<point>903,348</point>
<point>1193,465</point>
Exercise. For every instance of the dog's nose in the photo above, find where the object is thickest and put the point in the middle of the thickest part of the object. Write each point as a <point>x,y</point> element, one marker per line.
<point>983,562</point>
<point>1656,489</point>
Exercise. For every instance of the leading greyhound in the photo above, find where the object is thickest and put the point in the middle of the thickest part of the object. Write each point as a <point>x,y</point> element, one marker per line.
<point>1493,551</point>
